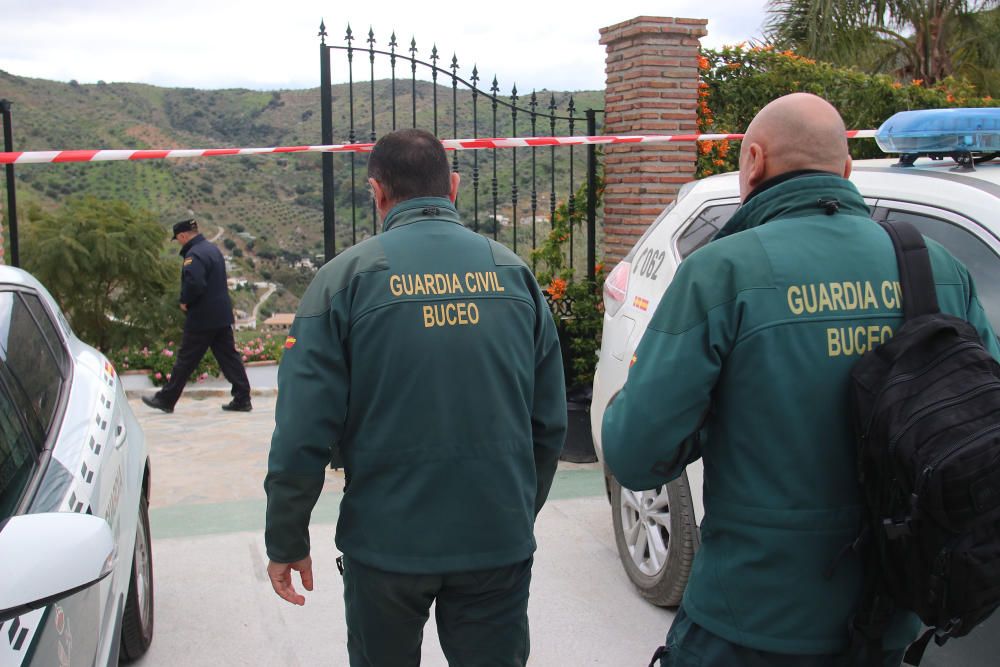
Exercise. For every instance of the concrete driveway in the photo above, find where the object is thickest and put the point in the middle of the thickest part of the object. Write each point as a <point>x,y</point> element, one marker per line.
<point>214,605</point>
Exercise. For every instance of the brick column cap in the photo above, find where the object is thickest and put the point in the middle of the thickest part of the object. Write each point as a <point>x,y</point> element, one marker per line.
<point>642,25</point>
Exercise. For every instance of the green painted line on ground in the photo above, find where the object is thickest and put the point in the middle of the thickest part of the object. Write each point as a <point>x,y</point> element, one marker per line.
<point>577,484</point>
<point>248,515</point>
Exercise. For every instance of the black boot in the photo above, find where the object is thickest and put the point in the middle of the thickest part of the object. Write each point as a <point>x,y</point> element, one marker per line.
<point>237,405</point>
<point>158,403</point>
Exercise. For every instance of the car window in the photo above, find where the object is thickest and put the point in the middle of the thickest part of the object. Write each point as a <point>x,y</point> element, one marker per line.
<point>48,329</point>
<point>18,454</point>
<point>979,258</point>
<point>704,226</point>
<point>27,357</point>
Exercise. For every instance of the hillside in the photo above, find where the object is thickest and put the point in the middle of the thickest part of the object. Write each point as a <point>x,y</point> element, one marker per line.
<point>275,201</point>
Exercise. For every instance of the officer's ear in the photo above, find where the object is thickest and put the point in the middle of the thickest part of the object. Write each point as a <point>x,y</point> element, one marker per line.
<point>380,196</point>
<point>453,190</point>
<point>753,167</point>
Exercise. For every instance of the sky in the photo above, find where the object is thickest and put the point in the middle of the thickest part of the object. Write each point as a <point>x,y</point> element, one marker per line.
<point>262,45</point>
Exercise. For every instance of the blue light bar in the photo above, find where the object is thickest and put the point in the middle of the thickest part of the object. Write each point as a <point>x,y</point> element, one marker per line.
<point>941,131</point>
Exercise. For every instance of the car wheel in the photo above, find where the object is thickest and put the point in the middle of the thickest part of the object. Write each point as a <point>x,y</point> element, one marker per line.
<point>137,621</point>
<point>657,538</point>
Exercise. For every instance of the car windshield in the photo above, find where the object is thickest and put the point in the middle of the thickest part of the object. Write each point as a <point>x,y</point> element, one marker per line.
<point>17,454</point>
<point>31,355</point>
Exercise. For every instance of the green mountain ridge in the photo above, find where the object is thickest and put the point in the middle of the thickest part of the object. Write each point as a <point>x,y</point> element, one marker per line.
<point>274,200</point>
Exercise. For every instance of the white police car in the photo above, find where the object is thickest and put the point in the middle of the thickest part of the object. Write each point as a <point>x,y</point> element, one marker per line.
<point>75,557</point>
<point>951,193</point>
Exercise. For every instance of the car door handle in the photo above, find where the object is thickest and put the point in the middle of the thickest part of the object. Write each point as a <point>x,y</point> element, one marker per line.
<point>120,434</point>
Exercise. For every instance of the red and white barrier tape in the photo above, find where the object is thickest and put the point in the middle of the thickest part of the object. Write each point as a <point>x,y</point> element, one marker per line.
<point>35,157</point>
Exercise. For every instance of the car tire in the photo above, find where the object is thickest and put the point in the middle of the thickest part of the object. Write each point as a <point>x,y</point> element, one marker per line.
<point>666,516</point>
<point>137,620</point>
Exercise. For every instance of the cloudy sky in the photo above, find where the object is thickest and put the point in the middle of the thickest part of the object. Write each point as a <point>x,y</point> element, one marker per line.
<point>272,45</point>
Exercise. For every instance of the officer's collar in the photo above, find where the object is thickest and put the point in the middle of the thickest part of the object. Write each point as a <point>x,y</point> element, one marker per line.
<point>187,246</point>
<point>781,178</point>
<point>800,194</point>
<point>420,208</point>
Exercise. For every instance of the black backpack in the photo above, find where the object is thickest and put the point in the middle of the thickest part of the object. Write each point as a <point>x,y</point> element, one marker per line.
<point>926,412</point>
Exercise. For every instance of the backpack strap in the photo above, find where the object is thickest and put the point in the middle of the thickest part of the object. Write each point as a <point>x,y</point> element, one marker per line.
<point>915,274</point>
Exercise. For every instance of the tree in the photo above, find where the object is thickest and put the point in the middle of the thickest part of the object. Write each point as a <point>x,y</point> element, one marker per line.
<point>106,264</point>
<point>924,40</point>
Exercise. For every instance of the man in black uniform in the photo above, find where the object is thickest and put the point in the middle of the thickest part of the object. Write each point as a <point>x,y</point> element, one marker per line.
<point>209,322</point>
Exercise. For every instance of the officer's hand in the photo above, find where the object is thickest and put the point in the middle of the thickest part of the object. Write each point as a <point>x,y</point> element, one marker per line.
<point>280,575</point>
<point>184,307</point>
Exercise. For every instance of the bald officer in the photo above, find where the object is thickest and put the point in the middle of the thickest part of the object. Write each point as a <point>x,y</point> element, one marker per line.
<point>746,367</point>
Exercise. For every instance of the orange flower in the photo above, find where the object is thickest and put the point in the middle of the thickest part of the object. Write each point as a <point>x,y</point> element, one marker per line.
<point>917,82</point>
<point>733,65</point>
<point>950,98</point>
<point>557,288</point>
<point>897,85</point>
<point>702,62</point>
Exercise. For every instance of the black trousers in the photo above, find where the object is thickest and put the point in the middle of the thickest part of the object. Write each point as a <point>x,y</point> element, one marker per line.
<point>194,345</point>
<point>690,645</point>
<point>482,616</point>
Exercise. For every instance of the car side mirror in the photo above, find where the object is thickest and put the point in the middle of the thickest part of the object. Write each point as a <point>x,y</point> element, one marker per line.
<point>47,557</point>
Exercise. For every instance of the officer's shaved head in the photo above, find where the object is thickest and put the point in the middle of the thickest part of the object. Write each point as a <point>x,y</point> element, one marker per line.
<point>797,131</point>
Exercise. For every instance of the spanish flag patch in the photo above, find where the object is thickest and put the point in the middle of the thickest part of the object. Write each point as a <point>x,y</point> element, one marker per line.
<point>289,342</point>
<point>641,303</point>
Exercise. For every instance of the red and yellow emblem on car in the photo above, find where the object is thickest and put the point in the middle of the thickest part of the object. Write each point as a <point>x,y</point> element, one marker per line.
<point>641,303</point>
<point>289,342</point>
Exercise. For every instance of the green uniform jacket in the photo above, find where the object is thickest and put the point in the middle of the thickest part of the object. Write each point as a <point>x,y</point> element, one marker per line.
<point>425,362</point>
<point>751,348</point>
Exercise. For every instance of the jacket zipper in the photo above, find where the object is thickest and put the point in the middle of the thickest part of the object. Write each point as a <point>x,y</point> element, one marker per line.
<point>929,468</point>
<point>906,377</point>
<point>937,407</point>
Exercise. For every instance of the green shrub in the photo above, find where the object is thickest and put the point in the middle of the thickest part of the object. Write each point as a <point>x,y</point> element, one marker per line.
<point>737,81</point>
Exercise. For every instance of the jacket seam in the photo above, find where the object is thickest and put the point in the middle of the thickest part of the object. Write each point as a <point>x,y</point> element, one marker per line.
<point>704,319</point>
<point>407,223</point>
<point>333,296</point>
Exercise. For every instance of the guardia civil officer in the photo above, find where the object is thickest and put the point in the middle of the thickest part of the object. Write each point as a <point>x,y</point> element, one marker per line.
<point>746,364</point>
<point>425,362</point>
<point>208,322</point>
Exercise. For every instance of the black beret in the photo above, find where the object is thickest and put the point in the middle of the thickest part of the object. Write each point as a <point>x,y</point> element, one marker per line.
<point>184,226</point>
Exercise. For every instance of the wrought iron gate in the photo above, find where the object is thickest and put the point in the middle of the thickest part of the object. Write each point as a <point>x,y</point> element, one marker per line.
<point>372,105</point>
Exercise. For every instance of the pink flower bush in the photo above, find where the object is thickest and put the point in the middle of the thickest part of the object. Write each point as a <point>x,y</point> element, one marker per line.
<point>265,347</point>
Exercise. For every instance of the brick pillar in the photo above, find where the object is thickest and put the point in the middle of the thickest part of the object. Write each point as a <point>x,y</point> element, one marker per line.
<point>652,88</point>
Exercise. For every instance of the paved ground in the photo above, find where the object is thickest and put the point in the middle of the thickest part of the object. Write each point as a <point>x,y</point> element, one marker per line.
<point>214,605</point>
